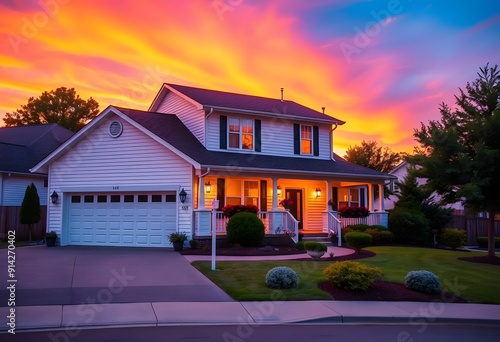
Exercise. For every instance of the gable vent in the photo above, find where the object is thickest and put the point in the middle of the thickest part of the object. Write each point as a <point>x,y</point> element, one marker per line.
<point>115,129</point>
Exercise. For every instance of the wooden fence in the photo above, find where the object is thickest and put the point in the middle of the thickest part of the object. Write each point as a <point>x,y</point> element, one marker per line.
<point>474,226</point>
<point>9,220</point>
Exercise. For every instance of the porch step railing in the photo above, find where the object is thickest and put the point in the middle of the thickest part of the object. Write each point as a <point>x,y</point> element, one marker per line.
<point>333,223</point>
<point>333,226</point>
<point>275,222</point>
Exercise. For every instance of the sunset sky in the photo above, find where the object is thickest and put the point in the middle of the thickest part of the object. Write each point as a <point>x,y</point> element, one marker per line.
<point>382,66</point>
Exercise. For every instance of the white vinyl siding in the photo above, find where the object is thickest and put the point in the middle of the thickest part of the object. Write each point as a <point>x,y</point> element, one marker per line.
<point>14,188</point>
<point>192,117</point>
<point>276,136</point>
<point>131,160</point>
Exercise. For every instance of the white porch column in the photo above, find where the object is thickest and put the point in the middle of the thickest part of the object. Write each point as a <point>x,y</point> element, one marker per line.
<point>201,195</point>
<point>275,194</point>
<point>371,195</point>
<point>380,197</point>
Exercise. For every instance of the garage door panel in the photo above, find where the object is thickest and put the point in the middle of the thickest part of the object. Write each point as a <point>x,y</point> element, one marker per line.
<point>121,223</point>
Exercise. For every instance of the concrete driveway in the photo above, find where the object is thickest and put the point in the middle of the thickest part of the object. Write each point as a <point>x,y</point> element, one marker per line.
<point>78,274</point>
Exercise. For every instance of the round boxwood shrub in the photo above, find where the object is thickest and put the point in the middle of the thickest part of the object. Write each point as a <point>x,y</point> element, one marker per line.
<point>315,246</point>
<point>300,245</point>
<point>344,231</point>
<point>409,226</point>
<point>423,281</point>
<point>453,237</point>
<point>351,275</point>
<point>358,240</point>
<point>245,229</point>
<point>361,227</point>
<point>380,237</point>
<point>282,277</point>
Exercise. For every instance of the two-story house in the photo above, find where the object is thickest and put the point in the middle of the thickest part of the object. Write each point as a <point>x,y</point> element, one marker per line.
<point>130,177</point>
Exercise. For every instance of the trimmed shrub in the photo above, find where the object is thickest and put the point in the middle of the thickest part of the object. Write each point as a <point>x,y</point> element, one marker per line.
<point>423,281</point>
<point>245,229</point>
<point>482,242</point>
<point>315,246</point>
<point>380,237</point>
<point>361,227</point>
<point>351,275</point>
<point>193,244</point>
<point>453,237</point>
<point>282,277</point>
<point>358,240</point>
<point>409,226</point>
<point>378,227</point>
<point>344,231</point>
<point>300,245</point>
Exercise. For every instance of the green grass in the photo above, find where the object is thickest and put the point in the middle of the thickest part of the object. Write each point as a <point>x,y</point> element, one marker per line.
<point>245,280</point>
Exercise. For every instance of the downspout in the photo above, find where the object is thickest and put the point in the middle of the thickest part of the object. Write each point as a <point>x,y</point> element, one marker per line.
<point>331,141</point>
<point>205,125</point>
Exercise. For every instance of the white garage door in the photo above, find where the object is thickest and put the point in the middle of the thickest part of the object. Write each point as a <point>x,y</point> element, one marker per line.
<point>128,219</point>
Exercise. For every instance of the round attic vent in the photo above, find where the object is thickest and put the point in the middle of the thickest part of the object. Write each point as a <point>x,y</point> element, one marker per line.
<point>115,129</point>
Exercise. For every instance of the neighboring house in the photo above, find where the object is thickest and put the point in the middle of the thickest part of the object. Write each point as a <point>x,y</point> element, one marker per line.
<point>400,171</point>
<point>21,148</point>
<point>130,177</point>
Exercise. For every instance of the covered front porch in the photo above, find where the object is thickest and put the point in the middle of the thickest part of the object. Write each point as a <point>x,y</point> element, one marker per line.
<point>312,203</point>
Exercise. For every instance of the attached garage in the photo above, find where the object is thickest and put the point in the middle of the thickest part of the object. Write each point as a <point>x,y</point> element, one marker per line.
<point>121,219</point>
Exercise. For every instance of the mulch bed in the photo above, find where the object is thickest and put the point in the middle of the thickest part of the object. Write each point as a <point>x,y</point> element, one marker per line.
<point>385,291</point>
<point>245,251</point>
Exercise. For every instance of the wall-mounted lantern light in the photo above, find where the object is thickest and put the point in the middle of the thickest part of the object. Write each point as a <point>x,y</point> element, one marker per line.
<point>208,187</point>
<point>182,195</point>
<point>318,192</point>
<point>54,197</point>
<point>279,190</point>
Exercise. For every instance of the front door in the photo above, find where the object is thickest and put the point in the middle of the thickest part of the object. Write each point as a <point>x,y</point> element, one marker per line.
<point>297,208</point>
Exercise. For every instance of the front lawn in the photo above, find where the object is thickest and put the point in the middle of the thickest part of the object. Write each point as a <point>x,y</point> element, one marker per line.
<point>245,280</point>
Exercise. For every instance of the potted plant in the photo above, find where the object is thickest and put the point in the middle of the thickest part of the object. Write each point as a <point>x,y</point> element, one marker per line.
<point>315,249</point>
<point>50,238</point>
<point>177,239</point>
<point>286,203</point>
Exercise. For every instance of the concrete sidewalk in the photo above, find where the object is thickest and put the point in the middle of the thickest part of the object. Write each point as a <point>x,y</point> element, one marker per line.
<point>61,317</point>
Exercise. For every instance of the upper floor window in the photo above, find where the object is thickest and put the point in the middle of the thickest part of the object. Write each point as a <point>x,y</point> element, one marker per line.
<point>240,133</point>
<point>306,139</point>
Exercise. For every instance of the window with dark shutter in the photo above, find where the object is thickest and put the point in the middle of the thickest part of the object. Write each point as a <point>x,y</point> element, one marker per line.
<point>223,132</point>
<point>296,138</point>
<point>316,140</point>
<point>257,136</point>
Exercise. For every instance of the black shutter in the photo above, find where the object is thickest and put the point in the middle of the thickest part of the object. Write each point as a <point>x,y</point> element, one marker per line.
<point>335,198</point>
<point>221,191</point>
<point>362,202</point>
<point>223,132</point>
<point>257,136</point>
<point>296,138</point>
<point>263,195</point>
<point>316,140</point>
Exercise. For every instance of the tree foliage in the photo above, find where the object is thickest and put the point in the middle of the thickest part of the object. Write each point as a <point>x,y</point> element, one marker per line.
<point>62,106</point>
<point>375,157</point>
<point>30,212</point>
<point>462,149</point>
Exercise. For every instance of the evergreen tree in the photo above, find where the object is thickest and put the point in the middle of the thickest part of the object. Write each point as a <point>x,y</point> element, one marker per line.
<point>31,212</point>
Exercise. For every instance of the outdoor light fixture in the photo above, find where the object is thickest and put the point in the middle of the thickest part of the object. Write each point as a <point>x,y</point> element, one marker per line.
<point>279,190</point>
<point>182,195</point>
<point>54,197</point>
<point>318,192</point>
<point>208,187</point>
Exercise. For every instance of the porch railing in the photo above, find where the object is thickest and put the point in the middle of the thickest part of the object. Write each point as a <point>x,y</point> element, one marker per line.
<point>333,226</point>
<point>275,222</point>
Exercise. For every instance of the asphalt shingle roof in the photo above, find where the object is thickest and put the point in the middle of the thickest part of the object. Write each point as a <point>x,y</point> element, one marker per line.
<point>22,147</point>
<point>240,102</point>
<point>171,129</point>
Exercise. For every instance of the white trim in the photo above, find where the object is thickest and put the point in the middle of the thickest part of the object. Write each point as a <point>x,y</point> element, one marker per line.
<point>131,188</point>
<point>84,132</point>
